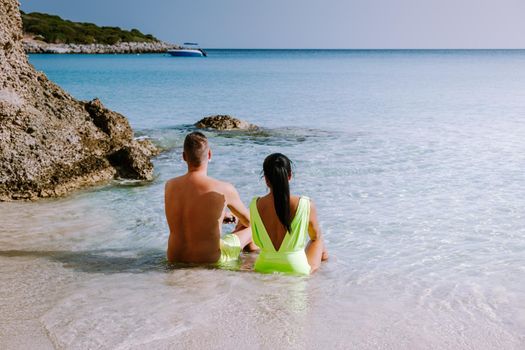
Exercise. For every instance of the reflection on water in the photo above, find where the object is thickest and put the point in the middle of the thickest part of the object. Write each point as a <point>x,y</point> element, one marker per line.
<point>98,261</point>
<point>112,261</point>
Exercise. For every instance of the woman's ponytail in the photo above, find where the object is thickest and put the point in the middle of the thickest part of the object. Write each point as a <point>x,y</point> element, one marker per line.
<point>277,170</point>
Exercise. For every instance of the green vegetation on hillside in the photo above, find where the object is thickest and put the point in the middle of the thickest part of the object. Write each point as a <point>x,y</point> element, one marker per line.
<point>53,29</point>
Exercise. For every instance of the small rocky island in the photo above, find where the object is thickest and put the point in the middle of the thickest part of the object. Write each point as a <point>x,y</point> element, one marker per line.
<point>51,143</point>
<point>225,122</point>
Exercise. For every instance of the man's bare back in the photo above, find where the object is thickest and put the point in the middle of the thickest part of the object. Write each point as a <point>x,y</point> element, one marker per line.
<point>195,206</point>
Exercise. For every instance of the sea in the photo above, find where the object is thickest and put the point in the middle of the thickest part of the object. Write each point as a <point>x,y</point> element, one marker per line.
<point>416,163</point>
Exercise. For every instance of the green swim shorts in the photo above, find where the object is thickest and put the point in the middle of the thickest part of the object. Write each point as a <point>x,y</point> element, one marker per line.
<point>230,248</point>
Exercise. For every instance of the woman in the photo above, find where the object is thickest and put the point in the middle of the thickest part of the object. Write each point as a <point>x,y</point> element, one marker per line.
<point>280,234</point>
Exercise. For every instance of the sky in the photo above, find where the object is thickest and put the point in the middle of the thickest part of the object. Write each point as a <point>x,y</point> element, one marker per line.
<point>353,24</point>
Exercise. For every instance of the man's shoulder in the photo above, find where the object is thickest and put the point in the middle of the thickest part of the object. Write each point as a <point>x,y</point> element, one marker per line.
<point>175,181</point>
<point>224,186</point>
<point>208,182</point>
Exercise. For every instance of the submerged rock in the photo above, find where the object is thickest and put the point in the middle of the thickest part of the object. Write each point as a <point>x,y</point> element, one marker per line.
<point>224,122</point>
<point>51,143</point>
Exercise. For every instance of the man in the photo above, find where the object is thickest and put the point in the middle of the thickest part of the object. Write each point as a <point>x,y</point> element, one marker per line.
<point>195,209</point>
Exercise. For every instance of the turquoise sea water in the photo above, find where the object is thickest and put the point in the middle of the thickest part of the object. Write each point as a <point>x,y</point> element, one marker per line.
<point>414,158</point>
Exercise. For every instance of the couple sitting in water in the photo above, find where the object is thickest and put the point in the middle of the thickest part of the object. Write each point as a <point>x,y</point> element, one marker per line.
<point>278,223</point>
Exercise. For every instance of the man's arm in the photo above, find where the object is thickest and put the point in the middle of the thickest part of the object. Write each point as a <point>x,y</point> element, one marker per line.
<point>229,218</point>
<point>168,202</point>
<point>234,203</point>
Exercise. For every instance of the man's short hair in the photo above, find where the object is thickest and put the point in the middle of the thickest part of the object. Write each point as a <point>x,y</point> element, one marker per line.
<point>196,148</point>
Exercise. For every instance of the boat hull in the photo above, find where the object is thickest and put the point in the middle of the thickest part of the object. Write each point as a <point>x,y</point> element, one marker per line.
<point>186,53</point>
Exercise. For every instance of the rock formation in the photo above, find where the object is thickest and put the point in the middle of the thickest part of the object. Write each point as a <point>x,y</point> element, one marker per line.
<point>224,122</point>
<point>36,46</point>
<point>51,143</point>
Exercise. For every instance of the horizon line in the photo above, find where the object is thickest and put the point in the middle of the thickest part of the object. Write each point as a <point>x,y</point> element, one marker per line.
<point>368,49</point>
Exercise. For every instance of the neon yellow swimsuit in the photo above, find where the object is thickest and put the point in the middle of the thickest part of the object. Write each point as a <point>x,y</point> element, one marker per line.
<point>230,246</point>
<point>290,258</point>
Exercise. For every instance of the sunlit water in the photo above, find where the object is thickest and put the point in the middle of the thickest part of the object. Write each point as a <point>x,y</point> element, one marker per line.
<point>416,163</point>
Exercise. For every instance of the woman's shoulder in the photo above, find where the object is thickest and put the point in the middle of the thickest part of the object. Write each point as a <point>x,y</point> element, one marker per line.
<point>296,198</point>
<point>258,199</point>
<point>297,201</point>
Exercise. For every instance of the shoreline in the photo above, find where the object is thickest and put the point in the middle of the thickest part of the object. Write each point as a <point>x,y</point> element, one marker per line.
<point>34,46</point>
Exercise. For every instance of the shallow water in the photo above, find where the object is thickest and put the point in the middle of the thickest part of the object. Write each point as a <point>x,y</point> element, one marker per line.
<point>414,158</point>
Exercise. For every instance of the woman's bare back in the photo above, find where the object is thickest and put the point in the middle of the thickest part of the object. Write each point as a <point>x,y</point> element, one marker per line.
<point>274,227</point>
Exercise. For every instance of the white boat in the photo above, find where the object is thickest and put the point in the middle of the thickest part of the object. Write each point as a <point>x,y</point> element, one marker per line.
<point>188,51</point>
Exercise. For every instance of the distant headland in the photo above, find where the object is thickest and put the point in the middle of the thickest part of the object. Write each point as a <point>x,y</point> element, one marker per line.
<point>44,33</point>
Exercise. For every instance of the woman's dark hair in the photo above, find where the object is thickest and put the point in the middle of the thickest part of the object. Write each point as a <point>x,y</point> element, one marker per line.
<point>277,169</point>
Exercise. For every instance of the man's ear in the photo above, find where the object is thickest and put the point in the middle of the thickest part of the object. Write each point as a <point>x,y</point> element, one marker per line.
<point>290,176</point>
<point>184,156</point>
<point>209,154</point>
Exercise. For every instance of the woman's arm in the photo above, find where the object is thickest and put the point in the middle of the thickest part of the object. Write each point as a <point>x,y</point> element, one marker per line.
<point>314,231</point>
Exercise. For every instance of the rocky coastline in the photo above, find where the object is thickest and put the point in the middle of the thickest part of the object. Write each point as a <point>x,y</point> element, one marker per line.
<point>50,142</point>
<point>37,46</point>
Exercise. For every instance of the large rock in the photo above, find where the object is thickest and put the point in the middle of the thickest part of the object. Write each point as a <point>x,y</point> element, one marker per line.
<point>51,143</point>
<point>224,122</point>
